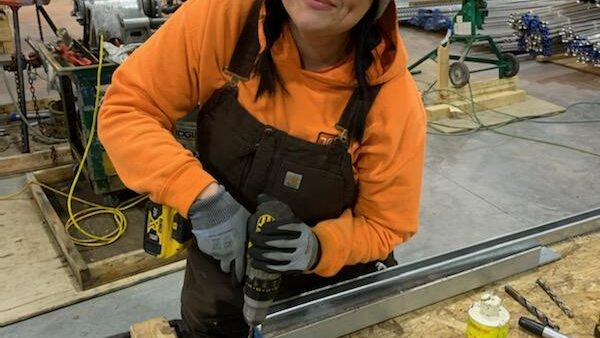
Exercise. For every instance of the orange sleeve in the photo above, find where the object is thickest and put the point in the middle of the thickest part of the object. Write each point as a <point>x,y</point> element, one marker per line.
<point>390,164</point>
<point>157,85</point>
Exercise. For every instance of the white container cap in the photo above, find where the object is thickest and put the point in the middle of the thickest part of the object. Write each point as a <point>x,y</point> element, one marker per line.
<point>489,311</point>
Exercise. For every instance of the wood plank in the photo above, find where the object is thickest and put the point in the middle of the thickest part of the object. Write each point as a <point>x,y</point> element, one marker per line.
<point>55,298</point>
<point>54,175</point>
<point>153,328</point>
<point>571,62</point>
<point>10,107</point>
<point>31,264</point>
<point>489,101</point>
<point>127,264</point>
<point>53,156</point>
<point>531,107</point>
<point>443,61</point>
<point>576,278</point>
<point>76,262</point>
<point>6,30</point>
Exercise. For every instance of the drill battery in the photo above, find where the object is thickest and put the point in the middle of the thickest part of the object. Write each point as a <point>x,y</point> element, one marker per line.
<point>167,232</point>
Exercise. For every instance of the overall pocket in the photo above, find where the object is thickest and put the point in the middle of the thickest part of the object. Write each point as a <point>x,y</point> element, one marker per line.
<point>314,194</point>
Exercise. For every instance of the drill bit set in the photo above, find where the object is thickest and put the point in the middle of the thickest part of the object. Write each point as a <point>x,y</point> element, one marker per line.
<point>541,316</point>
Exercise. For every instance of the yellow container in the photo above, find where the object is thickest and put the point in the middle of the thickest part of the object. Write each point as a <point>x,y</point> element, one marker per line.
<point>488,318</point>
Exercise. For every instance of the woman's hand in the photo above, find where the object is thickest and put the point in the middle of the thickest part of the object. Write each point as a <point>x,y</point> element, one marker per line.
<point>219,224</point>
<point>283,244</point>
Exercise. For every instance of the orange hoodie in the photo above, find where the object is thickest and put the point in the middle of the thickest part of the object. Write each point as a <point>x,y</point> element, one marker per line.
<point>181,65</point>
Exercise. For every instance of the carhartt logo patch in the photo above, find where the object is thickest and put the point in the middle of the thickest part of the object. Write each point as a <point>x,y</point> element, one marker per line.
<point>292,180</point>
<point>325,139</point>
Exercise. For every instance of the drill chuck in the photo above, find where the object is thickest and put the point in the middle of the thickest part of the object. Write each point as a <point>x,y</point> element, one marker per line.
<point>260,289</point>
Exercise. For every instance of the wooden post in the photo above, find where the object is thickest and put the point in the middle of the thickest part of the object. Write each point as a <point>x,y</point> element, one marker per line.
<point>443,57</point>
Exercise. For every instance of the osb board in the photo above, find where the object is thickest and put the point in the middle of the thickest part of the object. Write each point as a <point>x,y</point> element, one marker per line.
<point>531,107</point>
<point>576,278</point>
<point>35,276</point>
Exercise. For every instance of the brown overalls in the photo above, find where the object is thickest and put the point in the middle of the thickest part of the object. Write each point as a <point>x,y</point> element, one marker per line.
<point>250,158</point>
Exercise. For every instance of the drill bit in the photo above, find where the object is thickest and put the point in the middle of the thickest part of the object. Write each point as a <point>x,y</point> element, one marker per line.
<point>530,307</point>
<point>251,332</point>
<point>555,298</point>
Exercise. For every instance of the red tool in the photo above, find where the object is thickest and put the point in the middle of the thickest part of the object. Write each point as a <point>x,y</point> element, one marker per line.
<point>71,56</point>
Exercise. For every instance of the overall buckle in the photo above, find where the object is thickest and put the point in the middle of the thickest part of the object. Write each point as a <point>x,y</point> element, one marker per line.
<point>343,137</point>
<point>234,78</point>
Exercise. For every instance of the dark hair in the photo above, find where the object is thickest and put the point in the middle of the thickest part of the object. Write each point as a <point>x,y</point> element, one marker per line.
<point>364,37</point>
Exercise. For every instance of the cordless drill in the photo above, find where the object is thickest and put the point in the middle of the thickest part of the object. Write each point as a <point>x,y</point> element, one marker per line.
<point>260,287</point>
<point>167,232</point>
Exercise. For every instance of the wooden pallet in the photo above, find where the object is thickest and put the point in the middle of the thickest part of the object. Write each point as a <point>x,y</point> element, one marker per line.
<point>92,267</point>
<point>37,278</point>
<point>570,62</point>
<point>456,102</point>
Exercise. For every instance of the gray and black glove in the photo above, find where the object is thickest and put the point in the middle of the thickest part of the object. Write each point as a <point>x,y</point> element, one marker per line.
<point>219,225</point>
<point>285,244</point>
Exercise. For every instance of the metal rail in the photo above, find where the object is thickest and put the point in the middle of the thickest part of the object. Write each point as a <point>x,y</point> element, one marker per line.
<point>355,304</point>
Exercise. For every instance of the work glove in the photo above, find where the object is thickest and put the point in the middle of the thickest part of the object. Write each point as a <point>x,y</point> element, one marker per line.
<point>281,242</point>
<point>219,224</point>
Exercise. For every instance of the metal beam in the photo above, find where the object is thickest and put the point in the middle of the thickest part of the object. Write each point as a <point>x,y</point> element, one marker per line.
<point>402,302</point>
<point>318,309</point>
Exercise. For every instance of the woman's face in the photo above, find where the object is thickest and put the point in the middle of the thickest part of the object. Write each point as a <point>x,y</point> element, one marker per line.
<point>326,17</point>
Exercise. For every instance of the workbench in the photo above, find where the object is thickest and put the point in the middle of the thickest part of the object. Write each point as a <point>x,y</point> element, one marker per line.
<point>576,278</point>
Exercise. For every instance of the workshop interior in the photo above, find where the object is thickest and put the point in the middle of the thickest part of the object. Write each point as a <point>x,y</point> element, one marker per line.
<point>508,239</point>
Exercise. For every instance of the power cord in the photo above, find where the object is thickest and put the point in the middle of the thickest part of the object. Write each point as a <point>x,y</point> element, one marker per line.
<point>79,235</point>
<point>479,126</point>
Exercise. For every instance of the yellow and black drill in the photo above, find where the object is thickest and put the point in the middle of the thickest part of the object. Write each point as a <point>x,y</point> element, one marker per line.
<point>260,287</point>
<point>167,232</point>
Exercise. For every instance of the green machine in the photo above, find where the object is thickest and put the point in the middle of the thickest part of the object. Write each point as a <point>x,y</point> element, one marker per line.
<point>78,92</point>
<point>467,24</point>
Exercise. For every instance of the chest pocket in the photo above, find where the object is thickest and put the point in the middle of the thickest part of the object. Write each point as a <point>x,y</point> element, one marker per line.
<point>317,193</point>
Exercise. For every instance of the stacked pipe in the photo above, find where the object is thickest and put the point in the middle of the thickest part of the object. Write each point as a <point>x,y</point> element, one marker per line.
<point>571,27</point>
<point>582,39</point>
<point>437,15</point>
<point>495,24</point>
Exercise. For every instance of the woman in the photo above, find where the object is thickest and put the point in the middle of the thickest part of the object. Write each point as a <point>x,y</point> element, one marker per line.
<point>308,101</point>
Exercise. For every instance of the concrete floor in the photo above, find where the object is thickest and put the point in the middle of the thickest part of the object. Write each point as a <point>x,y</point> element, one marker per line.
<point>476,187</point>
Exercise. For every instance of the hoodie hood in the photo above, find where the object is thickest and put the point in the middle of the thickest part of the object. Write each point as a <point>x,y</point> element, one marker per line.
<point>390,57</point>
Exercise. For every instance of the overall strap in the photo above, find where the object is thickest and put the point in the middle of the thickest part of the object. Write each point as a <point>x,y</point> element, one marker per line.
<point>247,48</point>
<point>355,113</point>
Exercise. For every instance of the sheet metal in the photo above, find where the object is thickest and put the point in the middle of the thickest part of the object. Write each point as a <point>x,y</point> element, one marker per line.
<point>355,304</point>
